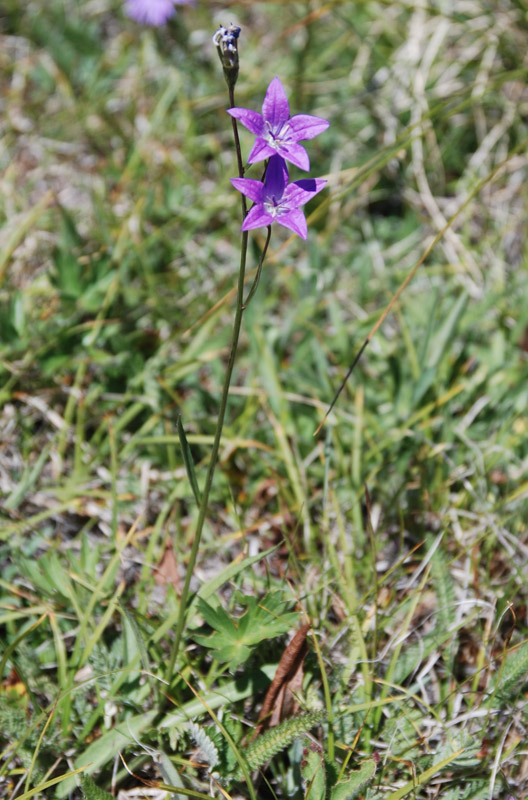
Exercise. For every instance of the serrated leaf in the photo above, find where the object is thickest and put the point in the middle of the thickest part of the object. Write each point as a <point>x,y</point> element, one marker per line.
<point>444,588</point>
<point>217,618</point>
<point>456,741</point>
<point>233,637</point>
<point>228,762</point>
<point>276,739</point>
<point>208,749</point>
<point>355,781</point>
<point>314,773</point>
<point>102,750</point>
<point>403,731</point>
<point>91,791</point>
<point>467,790</point>
<point>412,656</point>
<point>513,674</point>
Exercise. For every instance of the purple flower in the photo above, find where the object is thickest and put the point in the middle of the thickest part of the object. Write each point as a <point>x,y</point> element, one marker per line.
<point>276,200</point>
<point>152,12</point>
<point>277,133</point>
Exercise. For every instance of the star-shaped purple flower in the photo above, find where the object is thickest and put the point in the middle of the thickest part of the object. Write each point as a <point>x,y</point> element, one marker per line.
<point>277,133</point>
<point>276,200</point>
<point>152,12</point>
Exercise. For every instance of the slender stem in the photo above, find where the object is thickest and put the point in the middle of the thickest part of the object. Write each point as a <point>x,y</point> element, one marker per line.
<point>259,270</point>
<point>202,512</point>
<point>240,163</point>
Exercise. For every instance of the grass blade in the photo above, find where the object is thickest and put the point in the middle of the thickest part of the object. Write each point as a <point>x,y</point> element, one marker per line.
<point>188,461</point>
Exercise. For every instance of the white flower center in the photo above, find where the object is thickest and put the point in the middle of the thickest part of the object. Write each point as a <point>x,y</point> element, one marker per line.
<point>276,136</point>
<point>274,207</point>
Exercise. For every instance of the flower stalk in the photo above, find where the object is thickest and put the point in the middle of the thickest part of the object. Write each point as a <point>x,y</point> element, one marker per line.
<point>237,324</point>
<point>274,200</point>
<point>228,55</point>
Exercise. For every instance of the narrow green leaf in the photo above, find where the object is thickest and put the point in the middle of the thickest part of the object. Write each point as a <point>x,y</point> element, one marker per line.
<point>133,635</point>
<point>210,588</point>
<point>6,655</point>
<point>182,790</point>
<point>438,347</point>
<point>445,334</point>
<point>169,772</point>
<point>30,477</point>
<point>420,780</point>
<point>188,461</point>
<point>411,657</point>
<point>18,231</point>
<point>102,750</point>
<point>60,779</point>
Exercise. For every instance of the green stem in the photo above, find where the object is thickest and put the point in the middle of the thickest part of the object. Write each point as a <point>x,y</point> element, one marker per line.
<point>237,148</point>
<point>212,464</point>
<point>259,270</point>
<point>202,512</point>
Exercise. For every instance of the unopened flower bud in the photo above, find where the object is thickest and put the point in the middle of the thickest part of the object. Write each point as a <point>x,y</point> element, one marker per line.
<point>226,41</point>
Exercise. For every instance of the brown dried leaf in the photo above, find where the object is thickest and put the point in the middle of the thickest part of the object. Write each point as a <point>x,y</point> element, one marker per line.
<point>167,570</point>
<point>286,680</point>
<point>286,704</point>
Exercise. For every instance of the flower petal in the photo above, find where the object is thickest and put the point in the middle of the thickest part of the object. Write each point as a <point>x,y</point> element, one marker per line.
<point>275,108</point>
<point>295,221</point>
<point>251,120</point>
<point>151,12</point>
<point>276,178</point>
<point>256,217</point>
<point>296,154</point>
<point>305,126</point>
<point>260,151</point>
<point>299,192</point>
<point>250,188</point>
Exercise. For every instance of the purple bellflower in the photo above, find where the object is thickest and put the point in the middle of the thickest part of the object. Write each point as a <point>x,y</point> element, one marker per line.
<point>276,200</point>
<point>153,12</point>
<point>277,133</point>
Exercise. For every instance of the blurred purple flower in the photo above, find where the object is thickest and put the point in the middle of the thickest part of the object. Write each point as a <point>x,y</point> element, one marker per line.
<point>276,200</point>
<point>153,12</point>
<point>277,133</point>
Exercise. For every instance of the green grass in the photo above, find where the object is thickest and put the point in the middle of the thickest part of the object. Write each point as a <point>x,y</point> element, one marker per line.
<point>399,532</point>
